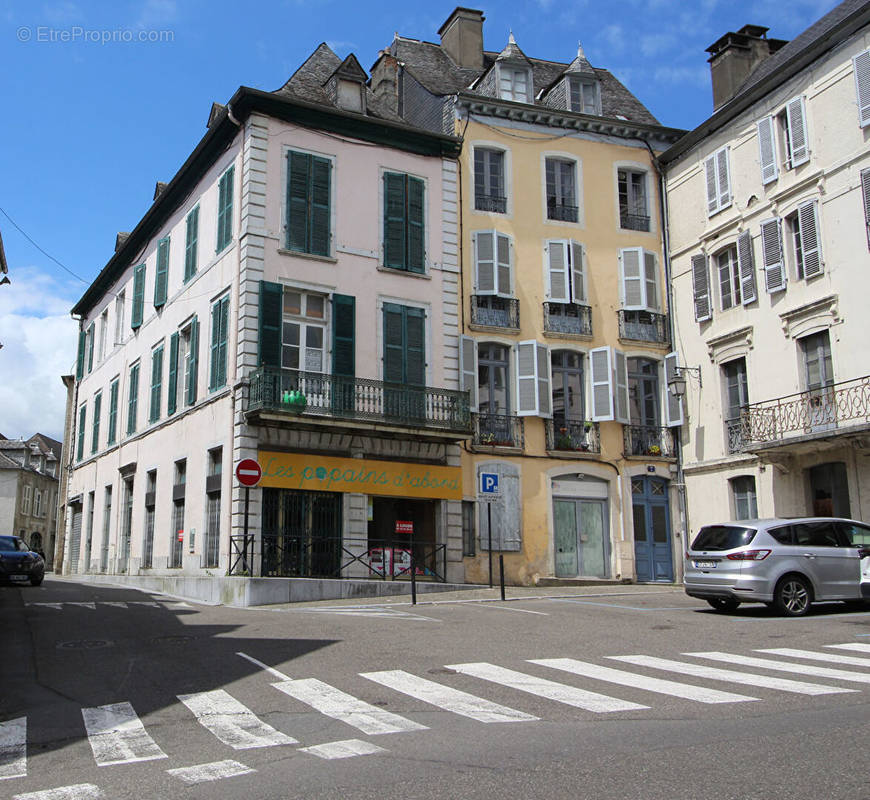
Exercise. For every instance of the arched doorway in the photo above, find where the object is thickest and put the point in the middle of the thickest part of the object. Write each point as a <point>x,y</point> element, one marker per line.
<point>652,529</point>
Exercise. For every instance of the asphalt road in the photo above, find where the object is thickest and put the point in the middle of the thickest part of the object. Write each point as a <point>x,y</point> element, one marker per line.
<point>110,692</point>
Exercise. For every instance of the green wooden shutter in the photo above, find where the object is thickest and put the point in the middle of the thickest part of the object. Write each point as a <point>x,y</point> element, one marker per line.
<point>298,165</point>
<point>95,432</point>
<point>404,345</point>
<point>80,446</point>
<point>156,384</point>
<point>113,413</point>
<point>138,296</point>
<point>161,278</point>
<point>190,244</point>
<point>394,344</point>
<point>218,368</point>
<point>416,238</point>
<point>271,311</point>
<point>190,398</point>
<point>91,343</point>
<point>343,334</point>
<point>222,349</point>
<point>415,346</point>
<point>394,221</point>
<point>225,210</point>
<point>320,184</point>
<point>173,374</point>
<point>80,361</point>
<point>132,399</point>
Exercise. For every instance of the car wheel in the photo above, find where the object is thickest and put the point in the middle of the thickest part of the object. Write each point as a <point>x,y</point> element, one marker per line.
<point>792,596</point>
<point>724,604</point>
<point>35,581</point>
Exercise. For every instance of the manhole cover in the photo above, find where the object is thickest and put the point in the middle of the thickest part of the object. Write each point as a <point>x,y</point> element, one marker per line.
<point>177,639</point>
<point>84,644</point>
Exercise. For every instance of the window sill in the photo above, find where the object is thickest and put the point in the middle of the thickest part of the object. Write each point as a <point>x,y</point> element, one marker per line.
<point>310,256</point>
<point>394,271</point>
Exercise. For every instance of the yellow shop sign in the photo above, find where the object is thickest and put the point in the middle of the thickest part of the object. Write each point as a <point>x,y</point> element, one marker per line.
<point>366,476</point>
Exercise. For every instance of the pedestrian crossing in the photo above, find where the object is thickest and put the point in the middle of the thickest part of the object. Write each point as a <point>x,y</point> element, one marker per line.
<point>117,735</point>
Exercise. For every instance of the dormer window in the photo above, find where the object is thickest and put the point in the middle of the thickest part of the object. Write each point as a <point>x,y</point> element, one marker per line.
<point>350,96</point>
<point>514,83</point>
<point>584,96</point>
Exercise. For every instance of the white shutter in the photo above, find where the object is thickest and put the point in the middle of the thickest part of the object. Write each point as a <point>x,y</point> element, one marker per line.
<point>746,266</point>
<point>632,280</point>
<point>484,262</point>
<point>542,353</point>
<point>771,249</point>
<point>651,280</point>
<point>578,272</point>
<point>503,265</point>
<point>808,217</point>
<point>600,359</point>
<point>620,386</point>
<point>865,191</point>
<point>797,128</point>
<point>712,193</point>
<point>701,288</point>
<point>724,178</point>
<point>673,404</point>
<point>468,368</point>
<point>557,271</point>
<point>527,378</point>
<point>767,150</point>
<point>862,85</point>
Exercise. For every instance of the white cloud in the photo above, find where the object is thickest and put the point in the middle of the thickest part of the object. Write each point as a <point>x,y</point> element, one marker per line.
<point>337,46</point>
<point>690,76</point>
<point>156,13</point>
<point>654,44</point>
<point>62,13</point>
<point>39,345</point>
<point>614,37</point>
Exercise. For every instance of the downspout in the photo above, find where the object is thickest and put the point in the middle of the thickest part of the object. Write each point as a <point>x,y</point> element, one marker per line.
<point>64,570</point>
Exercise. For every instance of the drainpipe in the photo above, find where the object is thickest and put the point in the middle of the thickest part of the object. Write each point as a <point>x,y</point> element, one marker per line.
<point>70,457</point>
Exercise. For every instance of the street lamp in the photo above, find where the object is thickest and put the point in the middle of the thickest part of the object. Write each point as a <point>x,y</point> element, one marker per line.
<point>677,380</point>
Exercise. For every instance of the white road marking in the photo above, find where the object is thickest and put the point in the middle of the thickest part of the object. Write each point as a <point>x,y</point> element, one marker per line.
<point>232,723</point>
<point>673,688</point>
<point>346,708</point>
<point>91,606</point>
<point>444,697</point>
<point>785,666</point>
<point>746,678</point>
<point>115,603</point>
<point>13,748</point>
<point>150,603</point>
<point>217,770</point>
<point>80,791</point>
<point>508,608</point>
<point>55,606</point>
<point>857,647</point>
<point>578,698</point>
<point>346,749</point>
<point>271,670</point>
<point>831,658</point>
<point>117,735</point>
<point>367,611</point>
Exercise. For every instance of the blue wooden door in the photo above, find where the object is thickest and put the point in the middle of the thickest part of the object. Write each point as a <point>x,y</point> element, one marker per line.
<point>652,529</point>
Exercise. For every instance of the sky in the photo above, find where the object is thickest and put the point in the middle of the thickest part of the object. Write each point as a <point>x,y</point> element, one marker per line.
<point>102,99</point>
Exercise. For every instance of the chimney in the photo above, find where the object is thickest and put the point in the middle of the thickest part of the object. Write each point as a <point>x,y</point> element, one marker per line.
<point>462,37</point>
<point>385,80</point>
<point>158,189</point>
<point>120,239</point>
<point>735,56</point>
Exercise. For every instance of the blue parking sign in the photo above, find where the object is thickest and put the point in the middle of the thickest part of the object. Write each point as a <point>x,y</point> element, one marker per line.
<point>489,483</point>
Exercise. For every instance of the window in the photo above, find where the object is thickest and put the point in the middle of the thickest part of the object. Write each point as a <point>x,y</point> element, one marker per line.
<point>566,271</point>
<point>156,383</point>
<point>107,523</point>
<point>792,123</point>
<point>489,180</point>
<point>561,189</point>
<point>26,500</point>
<point>861,64</point>
<point>513,84</point>
<point>609,378</point>
<point>736,401</point>
<point>803,232</point>
<point>492,263</point>
<point>745,501</point>
<point>120,303</point>
<point>138,297</point>
<point>213,507</point>
<point>404,331</point>
<point>404,234</point>
<point>126,520</point>
<point>469,543</point>
<point>80,445</point>
<point>161,276</point>
<point>568,387</point>
<point>729,278</point>
<point>225,210</point>
<point>633,206</point>
<point>819,372</point>
<point>191,241</point>
<point>132,398</point>
<point>718,181</point>
<point>95,424</point>
<point>640,278</point>
<point>113,412</point>
<point>103,335</point>
<point>493,394</point>
<point>37,503</point>
<point>150,505</point>
<point>219,324</point>
<point>303,331</point>
<point>771,253</point>
<point>176,544</point>
<point>584,96</point>
<point>644,396</point>
<point>91,344</point>
<point>183,366</point>
<point>308,202</point>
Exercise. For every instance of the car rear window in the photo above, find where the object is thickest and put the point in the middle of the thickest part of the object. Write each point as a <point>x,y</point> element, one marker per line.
<point>7,543</point>
<point>722,537</point>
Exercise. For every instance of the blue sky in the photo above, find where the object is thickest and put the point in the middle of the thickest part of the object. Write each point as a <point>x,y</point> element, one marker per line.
<point>92,120</point>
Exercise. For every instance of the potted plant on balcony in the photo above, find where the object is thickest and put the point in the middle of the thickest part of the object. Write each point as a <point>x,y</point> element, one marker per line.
<point>487,437</point>
<point>294,400</point>
<point>563,440</point>
<point>654,450</point>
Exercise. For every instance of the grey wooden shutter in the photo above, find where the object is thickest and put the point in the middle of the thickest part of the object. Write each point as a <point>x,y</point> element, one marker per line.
<point>746,266</point>
<point>505,512</point>
<point>771,250</point>
<point>711,182</point>
<point>795,111</point>
<point>527,379</point>
<point>271,312</point>
<point>620,387</point>
<point>557,270</point>
<point>651,280</point>
<point>701,288</point>
<point>862,86</point>
<point>808,217</point>
<point>723,177</point>
<point>578,272</point>
<point>503,265</point>
<point>673,404</point>
<point>484,262</point>
<point>767,150</point>
<point>632,280</point>
<point>161,276</point>
<point>865,193</point>
<point>542,355</point>
<point>468,369</point>
<point>600,359</point>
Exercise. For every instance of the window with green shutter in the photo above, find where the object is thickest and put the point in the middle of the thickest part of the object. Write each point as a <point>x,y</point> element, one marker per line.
<point>112,433</point>
<point>404,345</point>
<point>161,277</point>
<point>80,361</point>
<point>192,361</point>
<point>343,335</point>
<point>80,445</point>
<point>219,322</point>
<point>225,210</point>
<point>271,310</point>
<point>91,343</point>
<point>172,392</point>
<point>308,206</point>
<point>404,231</point>
<point>133,399</point>
<point>156,383</point>
<point>190,244</point>
<point>95,425</point>
<point>138,297</point>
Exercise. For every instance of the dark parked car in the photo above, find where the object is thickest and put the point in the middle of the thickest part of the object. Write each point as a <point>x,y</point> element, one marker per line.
<point>19,563</point>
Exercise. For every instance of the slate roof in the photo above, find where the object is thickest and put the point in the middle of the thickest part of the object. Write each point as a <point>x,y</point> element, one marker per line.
<point>8,463</point>
<point>48,445</point>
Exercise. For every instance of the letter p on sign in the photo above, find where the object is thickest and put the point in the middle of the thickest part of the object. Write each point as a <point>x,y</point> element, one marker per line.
<point>489,483</point>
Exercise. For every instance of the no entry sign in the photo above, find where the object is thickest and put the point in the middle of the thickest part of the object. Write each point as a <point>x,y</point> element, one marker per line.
<point>248,472</point>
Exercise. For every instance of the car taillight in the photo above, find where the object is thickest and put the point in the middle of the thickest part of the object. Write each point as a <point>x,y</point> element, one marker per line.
<point>749,555</point>
<point>864,552</point>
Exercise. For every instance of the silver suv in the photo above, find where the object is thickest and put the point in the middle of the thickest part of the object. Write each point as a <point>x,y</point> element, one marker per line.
<point>786,563</point>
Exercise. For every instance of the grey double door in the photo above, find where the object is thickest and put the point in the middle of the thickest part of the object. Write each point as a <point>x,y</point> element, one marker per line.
<point>580,538</point>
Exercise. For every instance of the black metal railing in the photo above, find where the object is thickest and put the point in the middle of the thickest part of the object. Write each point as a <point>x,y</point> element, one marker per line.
<point>643,326</point>
<point>568,318</point>
<point>498,430</point>
<point>495,312</point>
<point>633,222</point>
<point>562,212</point>
<point>490,202</point>
<point>314,393</point>
<point>241,554</point>
<point>735,434</point>
<point>578,436</point>
<point>648,440</point>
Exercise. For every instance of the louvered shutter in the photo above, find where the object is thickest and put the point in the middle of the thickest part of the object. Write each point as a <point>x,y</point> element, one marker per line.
<point>771,249</point>
<point>297,200</point>
<point>865,193</point>
<point>578,273</point>
<point>808,218</point>
<point>190,246</point>
<point>632,279</point>
<point>394,220</point>
<point>218,349</point>
<point>620,386</point>
<point>557,271</point>
<point>767,150</point>
<point>862,85</point>
<point>161,276</point>
<point>484,262</point>
<point>723,178</point>
<point>712,192</point>
<point>600,359</point>
<point>156,384</point>
<point>503,265</point>
<point>271,311</point>
<point>394,351</point>
<point>545,396</point>
<point>415,346</point>
<point>80,361</point>
<point>468,369</point>
<point>343,335</point>
<point>673,404</point>
<point>138,297</point>
<point>701,288</point>
<point>320,187</point>
<point>746,266</point>
<point>173,374</point>
<point>194,362</point>
<point>651,280</point>
<point>527,379</point>
<point>795,111</point>
<point>91,343</point>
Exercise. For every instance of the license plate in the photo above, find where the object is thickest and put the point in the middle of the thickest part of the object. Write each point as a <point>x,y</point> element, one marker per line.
<point>706,564</point>
<point>19,578</point>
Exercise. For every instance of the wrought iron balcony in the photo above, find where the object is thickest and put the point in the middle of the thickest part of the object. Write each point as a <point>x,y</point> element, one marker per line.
<point>576,436</point>
<point>492,311</point>
<point>498,430</point>
<point>490,202</point>
<point>735,434</point>
<point>643,326</point>
<point>561,211</point>
<point>633,222</point>
<point>313,394</point>
<point>569,318</point>
<point>648,440</point>
<point>818,411</point>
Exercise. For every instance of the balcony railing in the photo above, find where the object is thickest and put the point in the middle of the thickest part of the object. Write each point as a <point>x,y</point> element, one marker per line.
<point>561,211</point>
<point>577,436</point>
<point>315,394</point>
<point>804,413</point>
<point>643,326</point>
<point>735,434</point>
<point>568,318</point>
<point>498,430</point>
<point>495,312</point>
<point>490,202</point>
<point>648,440</point>
<point>633,222</point>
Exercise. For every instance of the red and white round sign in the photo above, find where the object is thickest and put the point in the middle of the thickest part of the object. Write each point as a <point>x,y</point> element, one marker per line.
<point>248,472</point>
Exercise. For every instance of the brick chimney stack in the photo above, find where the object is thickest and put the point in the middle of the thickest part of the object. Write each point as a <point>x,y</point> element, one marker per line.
<point>735,56</point>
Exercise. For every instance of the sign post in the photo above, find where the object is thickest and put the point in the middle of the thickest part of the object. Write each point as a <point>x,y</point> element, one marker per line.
<point>489,492</point>
<point>248,473</point>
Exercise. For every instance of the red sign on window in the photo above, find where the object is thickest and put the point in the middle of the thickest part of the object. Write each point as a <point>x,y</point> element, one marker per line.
<point>404,526</point>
